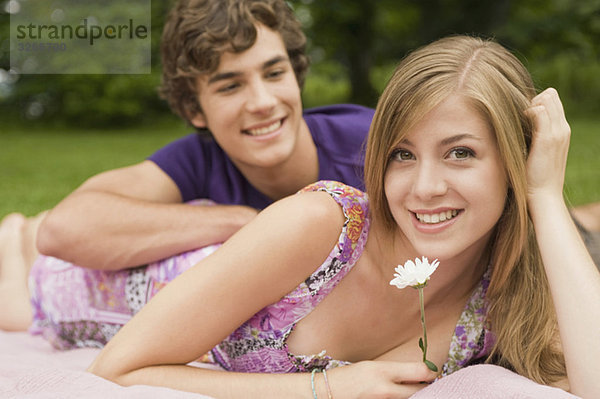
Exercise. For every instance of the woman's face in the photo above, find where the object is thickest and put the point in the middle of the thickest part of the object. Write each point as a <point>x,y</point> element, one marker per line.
<point>445,183</point>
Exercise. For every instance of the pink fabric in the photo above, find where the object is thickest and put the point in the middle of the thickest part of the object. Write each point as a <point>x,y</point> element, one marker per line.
<point>30,368</point>
<point>489,382</point>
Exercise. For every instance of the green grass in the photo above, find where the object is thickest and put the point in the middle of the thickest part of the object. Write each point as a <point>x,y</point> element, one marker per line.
<point>582,181</point>
<point>38,167</point>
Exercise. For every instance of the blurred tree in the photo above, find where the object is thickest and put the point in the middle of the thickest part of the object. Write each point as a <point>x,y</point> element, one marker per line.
<point>345,29</point>
<point>362,34</point>
<point>354,45</point>
<point>558,39</point>
<point>91,100</point>
<point>439,18</point>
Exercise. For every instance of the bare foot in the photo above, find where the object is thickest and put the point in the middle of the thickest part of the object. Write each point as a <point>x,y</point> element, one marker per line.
<point>11,235</point>
<point>16,314</point>
<point>30,229</point>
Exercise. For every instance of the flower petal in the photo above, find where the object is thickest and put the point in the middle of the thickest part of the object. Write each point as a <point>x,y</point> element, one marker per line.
<point>415,273</point>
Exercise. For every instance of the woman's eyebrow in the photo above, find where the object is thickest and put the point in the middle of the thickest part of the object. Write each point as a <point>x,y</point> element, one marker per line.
<point>447,140</point>
<point>459,137</point>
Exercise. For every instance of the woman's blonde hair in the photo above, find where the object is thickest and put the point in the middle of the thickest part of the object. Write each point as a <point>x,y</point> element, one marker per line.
<point>521,313</point>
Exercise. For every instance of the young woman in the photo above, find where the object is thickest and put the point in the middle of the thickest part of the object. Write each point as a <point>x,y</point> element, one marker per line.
<point>464,164</point>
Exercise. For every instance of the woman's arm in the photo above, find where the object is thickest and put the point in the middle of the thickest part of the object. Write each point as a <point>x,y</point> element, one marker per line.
<point>265,260</point>
<point>574,279</point>
<point>368,379</point>
<point>261,263</point>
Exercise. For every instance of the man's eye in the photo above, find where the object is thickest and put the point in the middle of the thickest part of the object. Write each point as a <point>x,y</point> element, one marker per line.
<point>275,73</point>
<point>228,88</point>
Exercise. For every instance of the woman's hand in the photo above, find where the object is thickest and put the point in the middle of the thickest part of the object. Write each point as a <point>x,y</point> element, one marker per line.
<point>377,379</point>
<point>547,159</point>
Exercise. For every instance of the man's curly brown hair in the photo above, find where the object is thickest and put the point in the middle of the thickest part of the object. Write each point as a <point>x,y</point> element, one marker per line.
<point>197,32</point>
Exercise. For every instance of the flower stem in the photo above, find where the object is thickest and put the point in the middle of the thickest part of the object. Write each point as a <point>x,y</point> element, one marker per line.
<point>428,363</point>
<point>422,302</point>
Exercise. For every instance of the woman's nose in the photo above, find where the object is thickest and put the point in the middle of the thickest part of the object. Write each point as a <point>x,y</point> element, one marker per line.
<point>429,180</point>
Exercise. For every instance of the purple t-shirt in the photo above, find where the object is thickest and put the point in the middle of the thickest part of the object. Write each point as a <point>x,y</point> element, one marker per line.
<point>201,169</point>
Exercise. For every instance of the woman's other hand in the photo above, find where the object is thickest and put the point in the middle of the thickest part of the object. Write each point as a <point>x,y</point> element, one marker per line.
<point>547,159</point>
<point>377,379</point>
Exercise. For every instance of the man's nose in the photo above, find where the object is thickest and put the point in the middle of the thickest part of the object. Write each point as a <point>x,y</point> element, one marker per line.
<point>260,98</point>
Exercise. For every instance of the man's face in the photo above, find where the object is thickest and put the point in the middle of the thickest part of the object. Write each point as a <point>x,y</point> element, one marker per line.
<point>252,104</point>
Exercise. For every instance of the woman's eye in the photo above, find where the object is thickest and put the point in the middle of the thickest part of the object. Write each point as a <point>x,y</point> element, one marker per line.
<point>402,155</point>
<point>461,153</point>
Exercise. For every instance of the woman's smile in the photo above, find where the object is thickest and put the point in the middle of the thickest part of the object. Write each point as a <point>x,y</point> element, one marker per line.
<point>435,222</point>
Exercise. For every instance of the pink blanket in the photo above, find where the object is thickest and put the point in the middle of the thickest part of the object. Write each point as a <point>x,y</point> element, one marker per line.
<point>30,368</point>
<point>489,382</point>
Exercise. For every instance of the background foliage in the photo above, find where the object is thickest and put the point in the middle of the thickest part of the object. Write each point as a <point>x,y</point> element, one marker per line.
<point>354,45</point>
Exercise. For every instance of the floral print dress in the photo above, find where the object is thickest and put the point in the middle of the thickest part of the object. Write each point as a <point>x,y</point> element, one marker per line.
<point>77,307</point>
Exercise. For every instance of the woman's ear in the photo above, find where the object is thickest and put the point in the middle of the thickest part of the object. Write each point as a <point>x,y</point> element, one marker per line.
<point>199,121</point>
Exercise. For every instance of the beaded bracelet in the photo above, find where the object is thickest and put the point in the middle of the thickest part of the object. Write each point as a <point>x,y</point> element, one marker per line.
<point>312,383</point>
<point>329,395</point>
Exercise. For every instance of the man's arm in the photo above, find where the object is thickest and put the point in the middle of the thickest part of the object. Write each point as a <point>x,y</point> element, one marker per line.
<point>132,216</point>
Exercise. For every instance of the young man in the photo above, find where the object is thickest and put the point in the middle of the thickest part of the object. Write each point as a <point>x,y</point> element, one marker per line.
<point>233,69</point>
